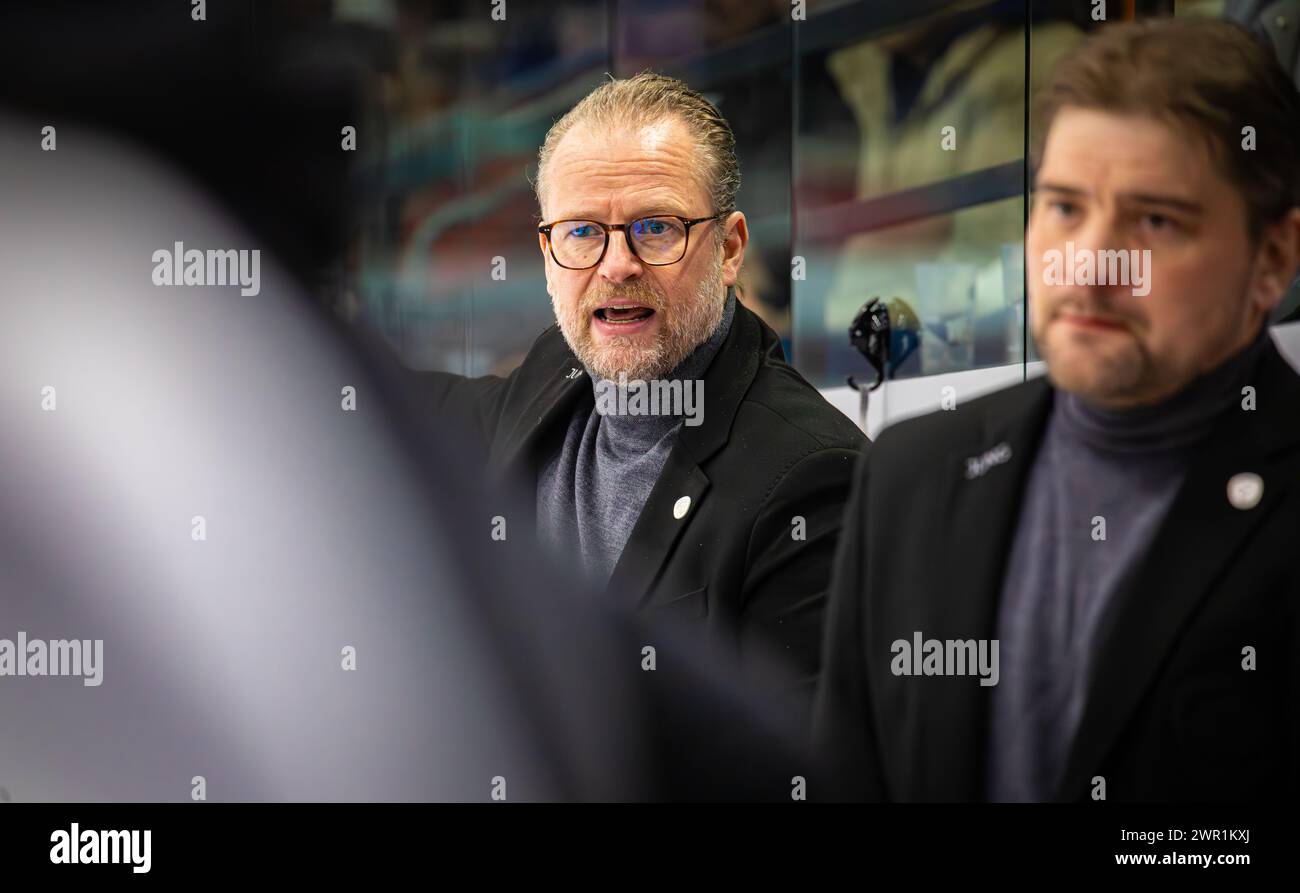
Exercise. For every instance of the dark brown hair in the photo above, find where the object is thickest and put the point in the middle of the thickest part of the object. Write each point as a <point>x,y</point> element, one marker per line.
<point>1205,77</point>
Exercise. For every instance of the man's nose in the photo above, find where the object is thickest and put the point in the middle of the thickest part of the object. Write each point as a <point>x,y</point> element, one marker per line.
<point>1101,232</point>
<point>619,263</point>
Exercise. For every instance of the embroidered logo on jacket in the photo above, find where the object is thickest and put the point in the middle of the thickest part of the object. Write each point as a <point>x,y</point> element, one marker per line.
<point>978,465</point>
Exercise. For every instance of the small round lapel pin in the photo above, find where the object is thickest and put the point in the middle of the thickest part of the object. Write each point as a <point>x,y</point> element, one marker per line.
<point>681,507</point>
<point>1245,490</point>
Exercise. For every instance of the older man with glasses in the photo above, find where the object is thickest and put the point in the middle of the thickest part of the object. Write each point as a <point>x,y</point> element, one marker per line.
<point>723,513</point>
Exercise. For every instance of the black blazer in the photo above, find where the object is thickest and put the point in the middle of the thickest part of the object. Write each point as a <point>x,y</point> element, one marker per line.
<point>1170,714</point>
<point>770,449</point>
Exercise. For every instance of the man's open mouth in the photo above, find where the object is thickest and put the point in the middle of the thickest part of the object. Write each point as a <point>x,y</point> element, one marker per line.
<point>623,313</point>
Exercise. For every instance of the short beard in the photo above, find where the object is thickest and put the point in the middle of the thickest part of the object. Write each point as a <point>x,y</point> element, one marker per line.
<point>682,328</point>
<point>1106,380</point>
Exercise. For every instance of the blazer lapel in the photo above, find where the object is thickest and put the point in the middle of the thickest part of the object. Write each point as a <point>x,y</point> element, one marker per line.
<point>553,404</point>
<point>1193,549</point>
<point>983,486</point>
<point>676,496</point>
<point>672,503</point>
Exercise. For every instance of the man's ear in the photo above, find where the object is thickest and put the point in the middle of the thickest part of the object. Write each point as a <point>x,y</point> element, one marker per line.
<point>1277,261</point>
<point>546,262</point>
<point>733,246</point>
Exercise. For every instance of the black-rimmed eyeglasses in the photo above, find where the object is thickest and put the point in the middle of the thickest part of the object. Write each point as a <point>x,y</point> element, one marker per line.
<point>657,241</point>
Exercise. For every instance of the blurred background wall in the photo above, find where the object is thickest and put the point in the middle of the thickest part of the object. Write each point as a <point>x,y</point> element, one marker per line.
<point>426,232</point>
<point>838,119</point>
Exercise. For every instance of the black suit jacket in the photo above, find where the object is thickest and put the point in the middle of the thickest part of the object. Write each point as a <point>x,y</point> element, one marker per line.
<point>1170,712</point>
<point>769,450</point>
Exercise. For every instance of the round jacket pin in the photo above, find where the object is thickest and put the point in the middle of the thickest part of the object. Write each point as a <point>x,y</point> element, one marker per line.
<point>681,507</point>
<point>1245,490</point>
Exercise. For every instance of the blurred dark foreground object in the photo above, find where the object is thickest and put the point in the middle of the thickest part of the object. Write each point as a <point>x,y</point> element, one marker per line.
<point>323,529</point>
<point>139,416</point>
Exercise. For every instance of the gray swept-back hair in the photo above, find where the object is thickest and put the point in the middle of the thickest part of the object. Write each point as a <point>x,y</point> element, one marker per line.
<point>645,99</point>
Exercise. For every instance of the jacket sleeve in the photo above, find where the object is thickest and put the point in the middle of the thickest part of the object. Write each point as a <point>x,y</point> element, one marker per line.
<point>788,563</point>
<point>473,405</point>
<point>844,720</point>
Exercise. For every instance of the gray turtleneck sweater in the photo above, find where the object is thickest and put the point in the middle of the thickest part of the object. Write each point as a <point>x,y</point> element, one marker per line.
<point>591,493</point>
<point>1121,466</point>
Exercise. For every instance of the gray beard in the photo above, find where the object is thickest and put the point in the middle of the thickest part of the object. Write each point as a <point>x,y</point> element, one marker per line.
<point>693,325</point>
